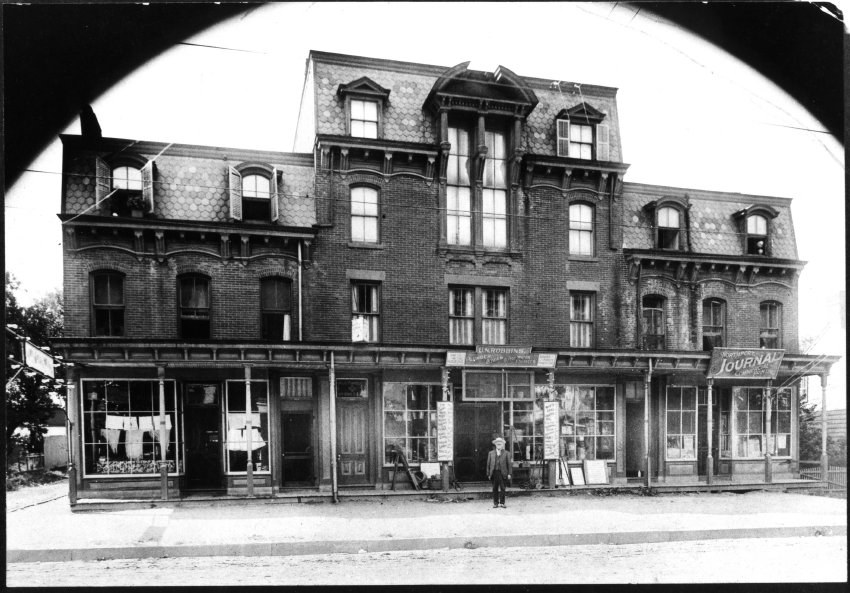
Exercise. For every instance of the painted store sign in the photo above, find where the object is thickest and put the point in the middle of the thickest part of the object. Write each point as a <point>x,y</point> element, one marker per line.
<point>501,356</point>
<point>741,363</point>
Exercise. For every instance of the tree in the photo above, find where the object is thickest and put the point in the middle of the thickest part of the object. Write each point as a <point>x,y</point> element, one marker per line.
<point>30,398</point>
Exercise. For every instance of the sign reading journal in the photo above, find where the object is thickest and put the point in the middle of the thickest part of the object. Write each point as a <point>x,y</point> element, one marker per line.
<point>741,363</point>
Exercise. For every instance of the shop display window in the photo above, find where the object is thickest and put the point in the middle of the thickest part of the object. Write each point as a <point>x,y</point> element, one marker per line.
<point>237,411</point>
<point>121,427</point>
<point>681,422</point>
<point>526,418</point>
<point>750,427</point>
<point>410,421</point>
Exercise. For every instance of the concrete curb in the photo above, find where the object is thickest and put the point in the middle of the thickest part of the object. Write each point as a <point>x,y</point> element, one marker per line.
<point>395,545</point>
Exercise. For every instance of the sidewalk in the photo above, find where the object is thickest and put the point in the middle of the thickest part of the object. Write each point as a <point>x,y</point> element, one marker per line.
<point>51,532</point>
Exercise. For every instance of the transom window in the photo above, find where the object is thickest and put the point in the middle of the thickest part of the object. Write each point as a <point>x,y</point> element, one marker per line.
<point>713,323</point>
<point>653,322</point>
<point>581,229</point>
<point>756,235</point>
<point>581,320</point>
<point>364,215</point>
<point>128,178</point>
<point>668,228</point>
<point>108,303</point>
<point>276,308</point>
<point>681,422</point>
<point>364,118</point>
<point>194,300</point>
<point>256,197</point>
<point>770,326</point>
<point>365,312</point>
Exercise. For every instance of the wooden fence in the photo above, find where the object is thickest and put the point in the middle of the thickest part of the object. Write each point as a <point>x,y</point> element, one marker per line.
<point>836,479</point>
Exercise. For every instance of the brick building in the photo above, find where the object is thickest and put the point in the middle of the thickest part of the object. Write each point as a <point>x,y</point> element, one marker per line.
<point>449,255</point>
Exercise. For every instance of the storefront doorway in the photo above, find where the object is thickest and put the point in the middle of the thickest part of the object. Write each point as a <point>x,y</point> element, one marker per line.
<point>634,438</point>
<point>475,427</point>
<point>296,428</point>
<point>202,417</point>
<point>352,444</point>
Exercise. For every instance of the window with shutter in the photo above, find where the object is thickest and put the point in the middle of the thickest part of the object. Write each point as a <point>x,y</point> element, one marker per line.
<point>235,190</point>
<point>563,137</point>
<point>602,142</point>
<point>147,186</point>
<point>275,197</point>
<point>103,181</point>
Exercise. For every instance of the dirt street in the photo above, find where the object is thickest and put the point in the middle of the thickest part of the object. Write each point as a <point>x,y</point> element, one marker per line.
<point>819,559</point>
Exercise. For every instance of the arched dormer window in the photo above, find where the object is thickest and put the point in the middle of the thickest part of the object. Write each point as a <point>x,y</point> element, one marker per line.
<point>581,133</point>
<point>755,225</point>
<point>669,217</point>
<point>124,185</point>
<point>253,192</point>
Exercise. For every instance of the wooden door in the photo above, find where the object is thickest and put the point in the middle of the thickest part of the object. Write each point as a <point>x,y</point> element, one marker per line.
<point>634,438</point>
<point>475,427</point>
<point>203,448</point>
<point>352,442</point>
<point>297,453</point>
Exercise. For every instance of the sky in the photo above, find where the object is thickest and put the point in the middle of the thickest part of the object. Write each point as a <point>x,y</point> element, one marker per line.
<point>690,115</point>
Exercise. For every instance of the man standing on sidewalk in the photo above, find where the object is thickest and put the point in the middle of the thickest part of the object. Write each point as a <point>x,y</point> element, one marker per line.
<point>498,470</point>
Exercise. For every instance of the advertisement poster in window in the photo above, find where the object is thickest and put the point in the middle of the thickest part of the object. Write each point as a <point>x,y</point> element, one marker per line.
<point>445,431</point>
<point>550,430</point>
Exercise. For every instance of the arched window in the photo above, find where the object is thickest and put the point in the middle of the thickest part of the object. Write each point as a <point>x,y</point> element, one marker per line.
<point>581,229</point>
<point>194,307</point>
<point>364,214</point>
<point>713,323</point>
<point>253,192</point>
<point>107,303</point>
<point>770,325</point>
<point>756,235</point>
<point>653,322</point>
<point>668,228</point>
<point>276,308</point>
<point>256,197</point>
<point>127,178</point>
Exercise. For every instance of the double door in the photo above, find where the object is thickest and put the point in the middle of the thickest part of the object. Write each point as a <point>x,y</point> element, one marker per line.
<point>476,425</point>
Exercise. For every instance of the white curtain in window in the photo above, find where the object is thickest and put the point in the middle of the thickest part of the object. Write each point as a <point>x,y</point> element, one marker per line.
<point>581,229</point>
<point>494,218</point>
<point>458,216</point>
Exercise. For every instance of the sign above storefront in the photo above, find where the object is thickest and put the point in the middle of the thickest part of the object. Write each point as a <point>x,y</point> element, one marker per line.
<point>501,357</point>
<point>38,360</point>
<point>742,363</point>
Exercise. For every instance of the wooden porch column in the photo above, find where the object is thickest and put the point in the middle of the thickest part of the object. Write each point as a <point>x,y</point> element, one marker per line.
<point>709,460</point>
<point>73,428</point>
<point>768,465</point>
<point>163,435</point>
<point>444,465</point>
<point>646,384</point>
<point>824,458</point>
<point>249,466</point>
<point>332,379</point>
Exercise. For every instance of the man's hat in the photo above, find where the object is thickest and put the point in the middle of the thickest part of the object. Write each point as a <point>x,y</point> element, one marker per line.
<point>497,439</point>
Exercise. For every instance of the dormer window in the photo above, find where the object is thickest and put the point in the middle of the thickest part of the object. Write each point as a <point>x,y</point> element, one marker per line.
<point>364,106</point>
<point>668,227</point>
<point>581,135</point>
<point>256,197</point>
<point>127,178</point>
<point>124,185</point>
<point>253,192</point>
<point>756,235</point>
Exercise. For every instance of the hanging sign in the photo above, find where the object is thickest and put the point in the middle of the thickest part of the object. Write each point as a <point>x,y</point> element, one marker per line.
<point>744,363</point>
<point>38,360</point>
<point>445,431</point>
<point>550,430</point>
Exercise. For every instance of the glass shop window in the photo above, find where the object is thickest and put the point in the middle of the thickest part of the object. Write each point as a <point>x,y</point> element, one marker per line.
<point>237,415</point>
<point>410,421</point>
<point>681,422</point>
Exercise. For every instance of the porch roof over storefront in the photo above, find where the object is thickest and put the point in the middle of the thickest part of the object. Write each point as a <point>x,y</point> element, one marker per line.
<point>98,352</point>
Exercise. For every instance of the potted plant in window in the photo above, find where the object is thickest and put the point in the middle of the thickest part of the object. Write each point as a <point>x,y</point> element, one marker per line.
<point>136,205</point>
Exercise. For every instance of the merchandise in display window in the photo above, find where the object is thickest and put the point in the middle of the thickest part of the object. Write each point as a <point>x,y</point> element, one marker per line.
<point>587,421</point>
<point>681,422</point>
<point>121,427</point>
<point>748,427</point>
<point>237,416</point>
<point>410,421</point>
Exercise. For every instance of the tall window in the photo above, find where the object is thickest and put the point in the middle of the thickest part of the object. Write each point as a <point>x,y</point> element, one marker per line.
<point>256,197</point>
<point>681,422</point>
<point>494,193</point>
<point>581,229</point>
<point>581,141</point>
<point>128,178</point>
<point>461,315</point>
<point>239,410</point>
<point>276,308</point>
<point>194,299</point>
<point>107,300</point>
<point>458,204</point>
<point>713,323</point>
<point>667,228</point>
<point>756,235</point>
<point>494,322</point>
<point>121,428</point>
<point>581,320</point>
<point>653,322</point>
<point>780,423</point>
<point>364,118</point>
<point>749,422</point>
<point>364,214</point>
<point>365,312</point>
<point>770,326</point>
<point>587,421</point>
<point>410,421</point>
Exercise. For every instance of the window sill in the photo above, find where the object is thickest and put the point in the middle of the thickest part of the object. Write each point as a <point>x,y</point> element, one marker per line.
<point>359,245</point>
<point>585,258</point>
<point>478,251</point>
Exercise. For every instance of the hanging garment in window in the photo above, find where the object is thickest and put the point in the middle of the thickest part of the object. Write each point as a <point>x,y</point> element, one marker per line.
<point>133,443</point>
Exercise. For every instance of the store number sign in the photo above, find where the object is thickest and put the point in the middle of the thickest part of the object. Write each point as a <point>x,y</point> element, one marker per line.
<point>550,430</point>
<point>445,431</point>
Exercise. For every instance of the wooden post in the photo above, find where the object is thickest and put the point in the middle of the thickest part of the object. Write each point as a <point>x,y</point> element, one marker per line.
<point>332,378</point>
<point>824,458</point>
<point>444,465</point>
<point>163,436</point>
<point>709,460</point>
<point>768,465</point>
<point>552,465</point>
<point>249,466</point>
<point>72,423</point>
<point>646,384</point>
